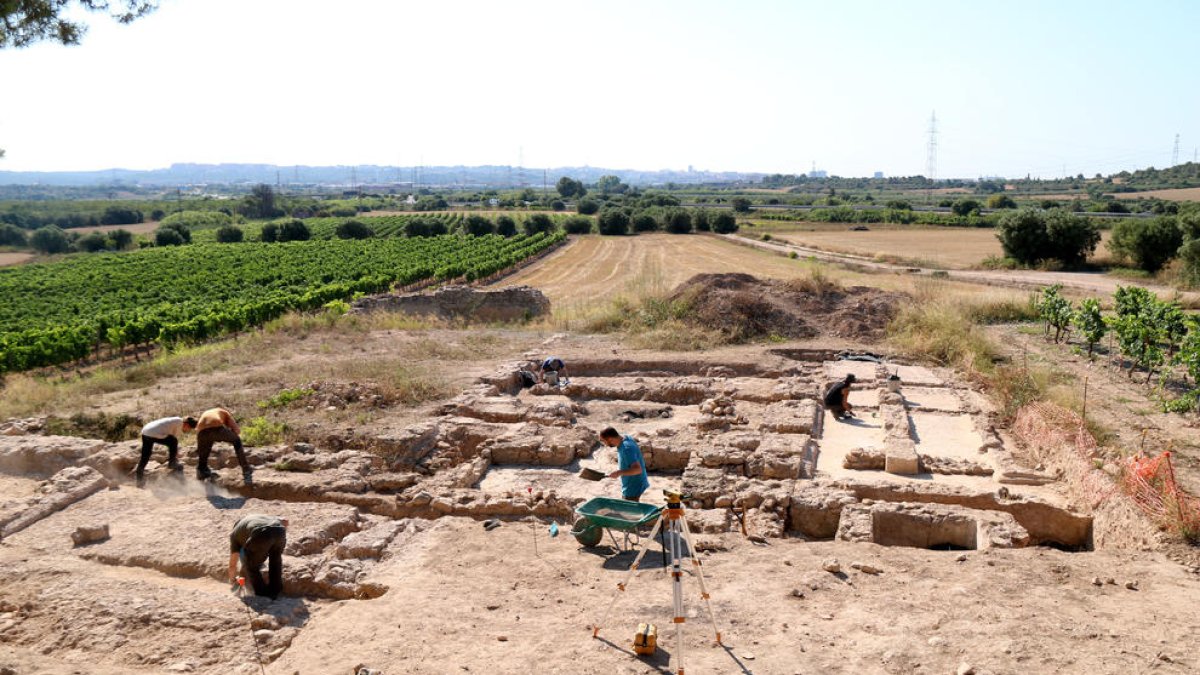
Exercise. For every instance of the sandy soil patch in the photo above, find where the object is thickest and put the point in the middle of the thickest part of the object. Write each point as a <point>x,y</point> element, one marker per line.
<point>137,228</point>
<point>13,258</point>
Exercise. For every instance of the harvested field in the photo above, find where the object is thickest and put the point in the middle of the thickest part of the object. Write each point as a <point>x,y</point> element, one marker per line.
<point>594,268</point>
<point>13,258</point>
<point>137,228</point>
<point>1173,195</point>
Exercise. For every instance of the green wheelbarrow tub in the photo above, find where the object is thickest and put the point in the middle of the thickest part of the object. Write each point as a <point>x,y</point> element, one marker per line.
<point>608,512</point>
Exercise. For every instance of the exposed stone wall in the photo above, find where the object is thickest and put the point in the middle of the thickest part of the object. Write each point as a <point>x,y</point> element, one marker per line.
<point>464,303</point>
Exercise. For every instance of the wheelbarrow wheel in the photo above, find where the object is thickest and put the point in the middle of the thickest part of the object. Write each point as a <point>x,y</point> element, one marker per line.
<point>587,533</point>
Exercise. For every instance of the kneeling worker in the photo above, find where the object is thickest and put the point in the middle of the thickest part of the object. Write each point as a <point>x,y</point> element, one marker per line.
<point>217,425</point>
<point>631,467</point>
<point>165,432</point>
<point>552,371</point>
<point>837,399</point>
<point>256,539</point>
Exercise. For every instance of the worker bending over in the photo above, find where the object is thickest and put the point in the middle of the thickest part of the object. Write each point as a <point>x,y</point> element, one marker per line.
<point>837,399</point>
<point>631,467</point>
<point>165,432</point>
<point>218,426</point>
<point>256,539</point>
<point>552,371</point>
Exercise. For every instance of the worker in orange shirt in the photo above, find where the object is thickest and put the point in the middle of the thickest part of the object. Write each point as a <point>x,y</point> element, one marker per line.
<point>218,426</point>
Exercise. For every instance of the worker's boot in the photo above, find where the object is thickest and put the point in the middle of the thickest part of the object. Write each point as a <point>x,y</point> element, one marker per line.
<point>205,474</point>
<point>175,466</point>
<point>140,479</point>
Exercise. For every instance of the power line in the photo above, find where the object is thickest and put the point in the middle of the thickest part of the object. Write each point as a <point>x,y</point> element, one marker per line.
<point>1175,152</point>
<point>931,156</point>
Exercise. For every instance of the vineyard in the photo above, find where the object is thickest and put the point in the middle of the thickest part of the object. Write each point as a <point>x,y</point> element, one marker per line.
<point>381,226</point>
<point>1149,334</point>
<point>61,312</point>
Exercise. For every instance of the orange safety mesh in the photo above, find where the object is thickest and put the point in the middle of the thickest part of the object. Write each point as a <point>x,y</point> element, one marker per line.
<point>1150,482</point>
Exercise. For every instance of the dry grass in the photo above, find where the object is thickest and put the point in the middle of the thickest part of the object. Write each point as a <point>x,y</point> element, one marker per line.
<point>1173,195</point>
<point>137,228</point>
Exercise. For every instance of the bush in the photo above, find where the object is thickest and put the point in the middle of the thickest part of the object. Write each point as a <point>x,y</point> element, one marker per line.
<point>724,223</point>
<point>11,235</point>
<point>197,220</point>
<point>506,226</point>
<point>1189,252</point>
<point>353,229</point>
<point>168,236</point>
<point>294,230</point>
<point>1070,238</point>
<point>587,207</point>
<point>270,233</point>
<point>230,234</point>
<point>898,205</point>
<point>965,207</point>
<point>478,226</point>
<point>740,204</point>
<point>677,221</point>
<point>613,221</point>
<point>538,223</point>
<point>157,214</point>
<point>119,240</point>
<point>92,242</point>
<point>643,221</point>
<point>1022,235</point>
<point>343,212</point>
<point>558,205</point>
<point>118,215</point>
<point>578,225</point>
<point>1001,202</point>
<point>1149,244</point>
<point>702,220</point>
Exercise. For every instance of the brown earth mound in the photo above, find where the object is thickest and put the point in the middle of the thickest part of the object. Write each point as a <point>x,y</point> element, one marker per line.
<point>746,307</point>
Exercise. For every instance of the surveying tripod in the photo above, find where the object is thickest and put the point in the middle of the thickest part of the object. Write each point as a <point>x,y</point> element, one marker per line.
<point>675,536</point>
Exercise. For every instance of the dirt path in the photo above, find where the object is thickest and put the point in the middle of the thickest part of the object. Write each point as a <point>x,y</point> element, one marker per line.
<point>1093,283</point>
<point>1126,408</point>
<point>13,258</point>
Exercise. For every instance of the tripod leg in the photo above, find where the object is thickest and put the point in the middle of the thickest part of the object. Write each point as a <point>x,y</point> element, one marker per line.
<point>700,575</point>
<point>677,591</point>
<point>628,577</point>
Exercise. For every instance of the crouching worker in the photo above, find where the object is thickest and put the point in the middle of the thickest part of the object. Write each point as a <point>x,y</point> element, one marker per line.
<point>631,468</point>
<point>837,399</point>
<point>257,539</point>
<point>552,371</point>
<point>165,432</point>
<point>215,426</point>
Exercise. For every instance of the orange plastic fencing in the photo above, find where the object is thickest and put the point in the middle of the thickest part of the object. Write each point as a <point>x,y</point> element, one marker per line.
<point>1150,482</point>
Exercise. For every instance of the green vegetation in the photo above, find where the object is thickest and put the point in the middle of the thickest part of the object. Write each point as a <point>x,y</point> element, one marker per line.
<point>1030,236</point>
<point>1149,244</point>
<point>262,431</point>
<point>68,310</point>
<point>285,398</point>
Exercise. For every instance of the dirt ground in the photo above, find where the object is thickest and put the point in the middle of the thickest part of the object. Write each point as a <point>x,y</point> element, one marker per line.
<point>137,228</point>
<point>13,258</point>
<point>1174,195</point>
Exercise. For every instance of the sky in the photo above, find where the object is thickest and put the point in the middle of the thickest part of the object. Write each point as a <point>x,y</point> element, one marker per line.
<point>1020,87</point>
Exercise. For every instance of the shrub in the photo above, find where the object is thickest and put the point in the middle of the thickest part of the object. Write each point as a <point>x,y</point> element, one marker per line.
<point>230,234</point>
<point>702,220</point>
<point>1149,244</point>
<point>999,201</point>
<point>197,220</point>
<point>643,222</point>
<point>343,212</point>
<point>898,205</point>
<point>740,204</point>
<point>262,431</point>
<point>677,221</point>
<point>169,236</point>
<point>478,226</point>
<point>294,230</point>
<point>724,223</point>
<point>353,229</point>
<point>157,214</point>
<point>1022,235</point>
<point>613,221</point>
<point>118,215</point>
<point>587,207</point>
<point>506,226</point>
<point>1189,252</point>
<point>119,240</point>
<point>11,235</point>
<point>965,207</point>
<point>1070,238</point>
<point>537,223</point>
<point>92,242</point>
<point>270,233</point>
<point>558,205</point>
<point>578,225</point>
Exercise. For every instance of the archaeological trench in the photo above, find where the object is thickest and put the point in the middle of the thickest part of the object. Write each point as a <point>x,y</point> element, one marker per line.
<point>923,466</point>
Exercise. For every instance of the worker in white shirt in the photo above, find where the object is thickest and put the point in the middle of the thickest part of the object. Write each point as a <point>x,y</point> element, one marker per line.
<point>165,431</point>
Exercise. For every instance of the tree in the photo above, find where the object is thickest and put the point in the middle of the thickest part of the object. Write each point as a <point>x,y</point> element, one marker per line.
<point>25,22</point>
<point>478,226</point>
<point>740,204</point>
<point>1070,238</point>
<point>1090,323</point>
<point>724,223</point>
<point>1189,251</point>
<point>587,207</point>
<point>506,226</point>
<point>353,229</point>
<point>965,207</point>
<point>613,221</point>
<point>702,220</point>
<point>49,239</point>
<point>642,221</point>
<point>898,205</point>
<point>677,221</point>
<point>569,187</point>
<point>294,230</point>
<point>11,235</point>
<point>1149,244</point>
<point>119,215</point>
<point>92,242</point>
<point>610,185</point>
<point>999,201</point>
<point>538,223</point>
<point>578,225</point>
<point>183,231</point>
<point>119,240</point>
<point>1022,235</point>
<point>260,203</point>
<point>270,233</point>
<point>558,205</point>
<point>230,234</point>
<point>168,236</point>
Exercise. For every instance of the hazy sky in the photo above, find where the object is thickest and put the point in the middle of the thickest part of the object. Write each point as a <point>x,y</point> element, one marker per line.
<point>1019,87</point>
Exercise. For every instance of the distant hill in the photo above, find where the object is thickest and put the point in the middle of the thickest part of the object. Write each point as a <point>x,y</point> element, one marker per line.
<point>433,176</point>
<point>1185,175</point>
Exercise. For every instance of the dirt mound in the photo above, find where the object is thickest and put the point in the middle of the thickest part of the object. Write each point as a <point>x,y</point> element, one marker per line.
<point>464,303</point>
<point>745,307</point>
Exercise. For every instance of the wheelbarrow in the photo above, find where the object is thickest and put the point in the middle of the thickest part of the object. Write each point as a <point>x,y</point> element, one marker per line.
<point>606,514</point>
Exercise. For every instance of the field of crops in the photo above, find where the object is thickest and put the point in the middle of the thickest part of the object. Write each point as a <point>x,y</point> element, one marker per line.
<point>391,225</point>
<point>60,312</point>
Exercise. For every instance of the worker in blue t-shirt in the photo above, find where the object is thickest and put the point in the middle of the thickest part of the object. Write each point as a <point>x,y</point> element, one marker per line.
<point>631,467</point>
